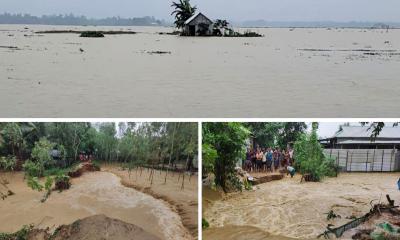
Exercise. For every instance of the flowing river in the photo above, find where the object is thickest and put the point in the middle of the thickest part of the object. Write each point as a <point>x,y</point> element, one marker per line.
<point>91,194</point>
<point>291,209</point>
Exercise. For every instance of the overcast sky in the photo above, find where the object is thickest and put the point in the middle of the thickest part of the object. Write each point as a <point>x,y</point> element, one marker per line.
<point>233,10</point>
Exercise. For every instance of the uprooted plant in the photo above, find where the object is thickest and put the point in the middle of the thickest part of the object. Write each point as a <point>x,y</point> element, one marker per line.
<point>61,182</point>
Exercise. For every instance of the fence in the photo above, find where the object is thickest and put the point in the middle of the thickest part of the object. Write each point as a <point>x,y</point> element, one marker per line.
<point>365,160</point>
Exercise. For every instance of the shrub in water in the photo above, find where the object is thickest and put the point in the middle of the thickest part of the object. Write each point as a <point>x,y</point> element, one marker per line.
<point>62,182</point>
<point>32,169</point>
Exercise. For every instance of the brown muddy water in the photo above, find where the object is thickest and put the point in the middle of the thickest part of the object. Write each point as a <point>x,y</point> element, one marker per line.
<point>92,194</point>
<point>302,72</point>
<point>290,209</point>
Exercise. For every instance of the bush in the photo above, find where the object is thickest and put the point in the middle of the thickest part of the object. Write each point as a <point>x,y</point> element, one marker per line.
<point>92,34</point>
<point>20,235</point>
<point>54,171</point>
<point>96,165</point>
<point>62,182</point>
<point>8,163</point>
<point>33,182</point>
<point>32,169</point>
<point>204,223</point>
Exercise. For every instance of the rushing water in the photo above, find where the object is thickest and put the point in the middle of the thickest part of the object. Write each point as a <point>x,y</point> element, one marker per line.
<point>298,210</point>
<point>91,194</point>
<point>297,73</point>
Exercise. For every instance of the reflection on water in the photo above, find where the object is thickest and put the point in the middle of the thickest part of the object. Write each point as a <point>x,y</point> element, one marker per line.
<point>93,193</point>
<point>299,210</point>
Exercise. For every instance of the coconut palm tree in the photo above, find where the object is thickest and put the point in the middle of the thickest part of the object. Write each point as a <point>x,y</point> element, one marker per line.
<point>183,11</point>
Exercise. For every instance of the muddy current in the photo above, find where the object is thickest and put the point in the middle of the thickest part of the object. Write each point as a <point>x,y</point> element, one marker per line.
<point>92,194</point>
<point>289,209</point>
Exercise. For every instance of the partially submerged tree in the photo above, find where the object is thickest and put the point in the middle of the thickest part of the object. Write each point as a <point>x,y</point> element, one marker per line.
<point>220,26</point>
<point>183,11</point>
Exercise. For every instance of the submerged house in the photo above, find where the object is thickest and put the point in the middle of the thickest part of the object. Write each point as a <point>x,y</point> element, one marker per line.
<point>198,25</point>
<point>354,150</point>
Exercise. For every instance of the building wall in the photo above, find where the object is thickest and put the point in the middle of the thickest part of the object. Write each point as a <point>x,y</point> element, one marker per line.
<point>198,20</point>
<point>366,160</point>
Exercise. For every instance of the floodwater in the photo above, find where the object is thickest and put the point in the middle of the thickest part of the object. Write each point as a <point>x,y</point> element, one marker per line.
<point>295,72</point>
<point>290,209</point>
<point>91,194</point>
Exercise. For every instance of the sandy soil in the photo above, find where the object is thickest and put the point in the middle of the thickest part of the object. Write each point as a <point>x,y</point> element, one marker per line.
<point>91,194</point>
<point>183,200</point>
<point>94,228</point>
<point>288,208</point>
<point>313,73</point>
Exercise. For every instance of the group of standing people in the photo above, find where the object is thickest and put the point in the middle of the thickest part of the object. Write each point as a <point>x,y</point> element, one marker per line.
<point>268,159</point>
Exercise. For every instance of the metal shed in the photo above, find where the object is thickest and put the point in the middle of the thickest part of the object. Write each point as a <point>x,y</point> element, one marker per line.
<point>198,25</point>
<point>355,151</point>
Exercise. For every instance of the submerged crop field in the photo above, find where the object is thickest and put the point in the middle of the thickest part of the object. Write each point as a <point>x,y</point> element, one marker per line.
<point>305,71</point>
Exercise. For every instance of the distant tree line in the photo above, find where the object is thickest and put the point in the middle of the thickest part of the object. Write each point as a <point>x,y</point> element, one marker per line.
<point>70,19</point>
<point>31,146</point>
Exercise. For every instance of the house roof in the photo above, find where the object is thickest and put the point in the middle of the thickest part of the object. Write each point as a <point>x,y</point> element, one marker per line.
<point>344,142</point>
<point>196,16</point>
<point>366,132</point>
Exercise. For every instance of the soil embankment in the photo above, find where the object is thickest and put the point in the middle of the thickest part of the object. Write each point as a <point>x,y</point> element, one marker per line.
<point>94,228</point>
<point>184,201</point>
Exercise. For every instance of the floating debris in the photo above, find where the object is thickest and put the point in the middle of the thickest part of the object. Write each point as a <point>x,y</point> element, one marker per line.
<point>80,32</point>
<point>10,47</point>
<point>92,34</point>
<point>159,52</point>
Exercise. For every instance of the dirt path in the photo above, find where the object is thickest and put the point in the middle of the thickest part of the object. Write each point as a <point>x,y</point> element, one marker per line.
<point>298,210</point>
<point>91,194</point>
<point>183,200</point>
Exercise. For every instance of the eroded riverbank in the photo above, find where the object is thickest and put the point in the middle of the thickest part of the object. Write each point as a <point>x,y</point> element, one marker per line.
<point>183,200</point>
<point>91,194</point>
<point>292,209</point>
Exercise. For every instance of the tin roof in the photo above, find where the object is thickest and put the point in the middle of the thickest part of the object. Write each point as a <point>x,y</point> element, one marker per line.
<point>366,132</point>
<point>196,16</point>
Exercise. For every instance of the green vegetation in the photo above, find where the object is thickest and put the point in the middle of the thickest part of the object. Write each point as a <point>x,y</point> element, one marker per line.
<point>50,149</point>
<point>204,223</point>
<point>8,163</point>
<point>22,234</point>
<point>34,183</point>
<point>225,145</point>
<point>62,182</point>
<point>310,158</point>
<point>92,34</point>
<point>183,11</point>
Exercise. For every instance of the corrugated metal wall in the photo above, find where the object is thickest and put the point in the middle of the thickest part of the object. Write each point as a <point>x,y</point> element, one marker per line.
<point>366,160</point>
